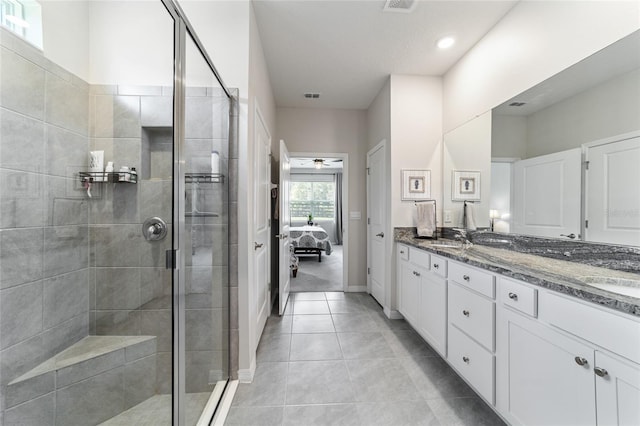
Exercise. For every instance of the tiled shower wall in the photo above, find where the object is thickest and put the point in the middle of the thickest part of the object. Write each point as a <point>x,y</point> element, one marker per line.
<point>44,235</point>
<point>73,266</point>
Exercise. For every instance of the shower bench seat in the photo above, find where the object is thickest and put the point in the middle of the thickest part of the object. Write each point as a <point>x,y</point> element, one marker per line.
<point>109,374</point>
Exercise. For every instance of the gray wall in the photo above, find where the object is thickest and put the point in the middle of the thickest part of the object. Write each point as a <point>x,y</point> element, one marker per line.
<point>44,236</point>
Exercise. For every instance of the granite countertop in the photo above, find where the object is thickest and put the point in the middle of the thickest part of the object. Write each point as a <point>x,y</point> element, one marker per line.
<point>558,275</point>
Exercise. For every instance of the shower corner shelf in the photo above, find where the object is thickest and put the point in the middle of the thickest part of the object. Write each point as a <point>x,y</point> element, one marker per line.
<point>106,177</point>
<point>204,178</point>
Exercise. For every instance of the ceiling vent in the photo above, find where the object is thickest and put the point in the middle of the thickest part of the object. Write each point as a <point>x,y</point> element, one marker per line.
<point>517,104</point>
<point>404,6</point>
<point>312,95</point>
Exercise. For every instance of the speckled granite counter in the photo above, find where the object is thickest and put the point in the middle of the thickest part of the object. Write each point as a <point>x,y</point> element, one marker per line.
<point>558,275</point>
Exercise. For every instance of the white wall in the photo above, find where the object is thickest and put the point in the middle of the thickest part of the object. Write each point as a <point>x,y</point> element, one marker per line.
<point>318,130</point>
<point>416,138</point>
<point>65,35</point>
<point>379,117</point>
<point>508,136</point>
<point>468,148</point>
<point>534,41</point>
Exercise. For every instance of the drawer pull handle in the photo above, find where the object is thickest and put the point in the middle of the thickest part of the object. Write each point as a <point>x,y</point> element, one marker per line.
<point>465,313</point>
<point>465,359</point>
<point>581,361</point>
<point>513,296</point>
<point>466,277</point>
<point>601,372</point>
<point>435,265</point>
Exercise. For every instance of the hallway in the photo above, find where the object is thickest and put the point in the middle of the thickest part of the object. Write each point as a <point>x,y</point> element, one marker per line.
<point>335,359</point>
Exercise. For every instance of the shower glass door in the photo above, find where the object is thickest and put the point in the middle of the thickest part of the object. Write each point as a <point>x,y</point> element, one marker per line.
<point>204,242</point>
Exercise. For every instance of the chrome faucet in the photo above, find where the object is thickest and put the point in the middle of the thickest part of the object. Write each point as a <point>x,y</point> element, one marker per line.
<point>462,237</point>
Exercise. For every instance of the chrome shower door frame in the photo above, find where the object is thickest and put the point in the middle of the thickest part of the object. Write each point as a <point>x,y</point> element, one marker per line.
<point>177,259</point>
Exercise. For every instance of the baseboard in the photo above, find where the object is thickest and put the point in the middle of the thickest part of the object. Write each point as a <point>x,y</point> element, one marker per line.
<point>356,289</point>
<point>392,313</point>
<point>245,375</point>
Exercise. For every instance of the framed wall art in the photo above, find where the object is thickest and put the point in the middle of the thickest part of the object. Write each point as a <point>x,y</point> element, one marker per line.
<point>466,186</point>
<point>416,184</point>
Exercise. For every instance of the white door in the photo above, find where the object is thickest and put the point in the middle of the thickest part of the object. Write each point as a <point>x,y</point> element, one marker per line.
<point>409,293</point>
<point>546,195</point>
<point>261,220</point>
<point>612,194</point>
<point>376,260</point>
<point>432,315</point>
<point>284,220</point>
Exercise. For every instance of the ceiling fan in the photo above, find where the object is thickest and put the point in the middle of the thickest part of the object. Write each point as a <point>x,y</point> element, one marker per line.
<point>319,163</point>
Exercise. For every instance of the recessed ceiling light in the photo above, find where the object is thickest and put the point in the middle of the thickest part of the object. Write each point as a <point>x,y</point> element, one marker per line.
<point>446,42</point>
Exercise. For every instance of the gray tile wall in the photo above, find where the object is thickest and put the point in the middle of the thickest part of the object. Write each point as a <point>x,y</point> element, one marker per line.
<point>44,234</point>
<point>73,266</point>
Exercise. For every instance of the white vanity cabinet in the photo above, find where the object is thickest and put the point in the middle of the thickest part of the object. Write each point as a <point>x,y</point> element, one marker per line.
<point>560,368</point>
<point>471,312</point>
<point>422,294</point>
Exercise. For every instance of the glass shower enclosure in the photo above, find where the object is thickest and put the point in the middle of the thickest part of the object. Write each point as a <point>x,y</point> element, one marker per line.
<point>114,221</point>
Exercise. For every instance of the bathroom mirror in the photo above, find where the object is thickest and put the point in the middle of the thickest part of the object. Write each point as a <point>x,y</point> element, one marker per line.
<point>539,139</point>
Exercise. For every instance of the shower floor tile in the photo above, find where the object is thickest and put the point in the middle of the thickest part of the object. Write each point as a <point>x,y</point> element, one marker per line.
<point>156,411</point>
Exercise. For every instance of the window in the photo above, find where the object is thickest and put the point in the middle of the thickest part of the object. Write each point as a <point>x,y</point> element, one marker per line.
<point>24,18</point>
<point>315,198</point>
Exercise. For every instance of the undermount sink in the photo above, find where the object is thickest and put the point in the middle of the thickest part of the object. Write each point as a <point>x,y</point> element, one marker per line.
<point>446,245</point>
<point>614,285</point>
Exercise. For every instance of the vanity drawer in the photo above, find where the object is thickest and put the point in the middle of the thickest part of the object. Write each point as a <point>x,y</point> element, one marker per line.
<point>439,266</point>
<point>518,296</point>
<point>473,362</point>
<point>403,252</point>
<point>473,314</point>
<point>475,279</point>
<point>419,257</point>
<point>611,330</point>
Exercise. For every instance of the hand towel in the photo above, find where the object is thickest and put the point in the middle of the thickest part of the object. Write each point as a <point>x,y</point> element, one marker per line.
<point>471,217</point>
<point>426,219</point>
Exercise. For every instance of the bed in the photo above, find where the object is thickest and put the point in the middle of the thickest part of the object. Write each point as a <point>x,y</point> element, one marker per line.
<point>310,240</point>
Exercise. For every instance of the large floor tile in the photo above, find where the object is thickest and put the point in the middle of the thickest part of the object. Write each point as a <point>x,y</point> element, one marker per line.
<point>464,412</point>
<point>278,325</point>
<point>381,380</point>
<point>318,382</point>
<point>314,347</point>
<point>359,322</point>
<point>321,415</point>
<point>274,347</point>
<point>364,345</point>
<point>434,378</point>
<point>346,306</point>
<point>407,413</point>
<point>255,416</point>
<point>310,307</point>
<point>268,386</point>
<point>407,343</point>
<point>308,295</point>
<point>312,324</point>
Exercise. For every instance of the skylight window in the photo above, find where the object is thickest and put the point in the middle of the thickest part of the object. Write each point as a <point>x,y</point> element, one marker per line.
<point>24,18</point>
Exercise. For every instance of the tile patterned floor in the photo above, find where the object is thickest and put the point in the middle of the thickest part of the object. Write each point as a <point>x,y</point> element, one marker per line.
<point>335,359</point>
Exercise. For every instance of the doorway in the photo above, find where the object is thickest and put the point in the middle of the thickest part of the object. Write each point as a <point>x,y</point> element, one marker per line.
<point>318,233</point>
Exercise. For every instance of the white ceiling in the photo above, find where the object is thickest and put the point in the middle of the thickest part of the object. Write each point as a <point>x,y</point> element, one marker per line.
<point>345,50</point>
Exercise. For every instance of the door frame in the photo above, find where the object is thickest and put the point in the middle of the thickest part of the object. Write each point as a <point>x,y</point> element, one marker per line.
<point>345,205</point>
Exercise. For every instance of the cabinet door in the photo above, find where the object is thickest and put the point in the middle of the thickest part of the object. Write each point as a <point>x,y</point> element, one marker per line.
<point>546,385</point>
<point>409,292</point>
<point>432,316</point>
<point>617,391</point>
